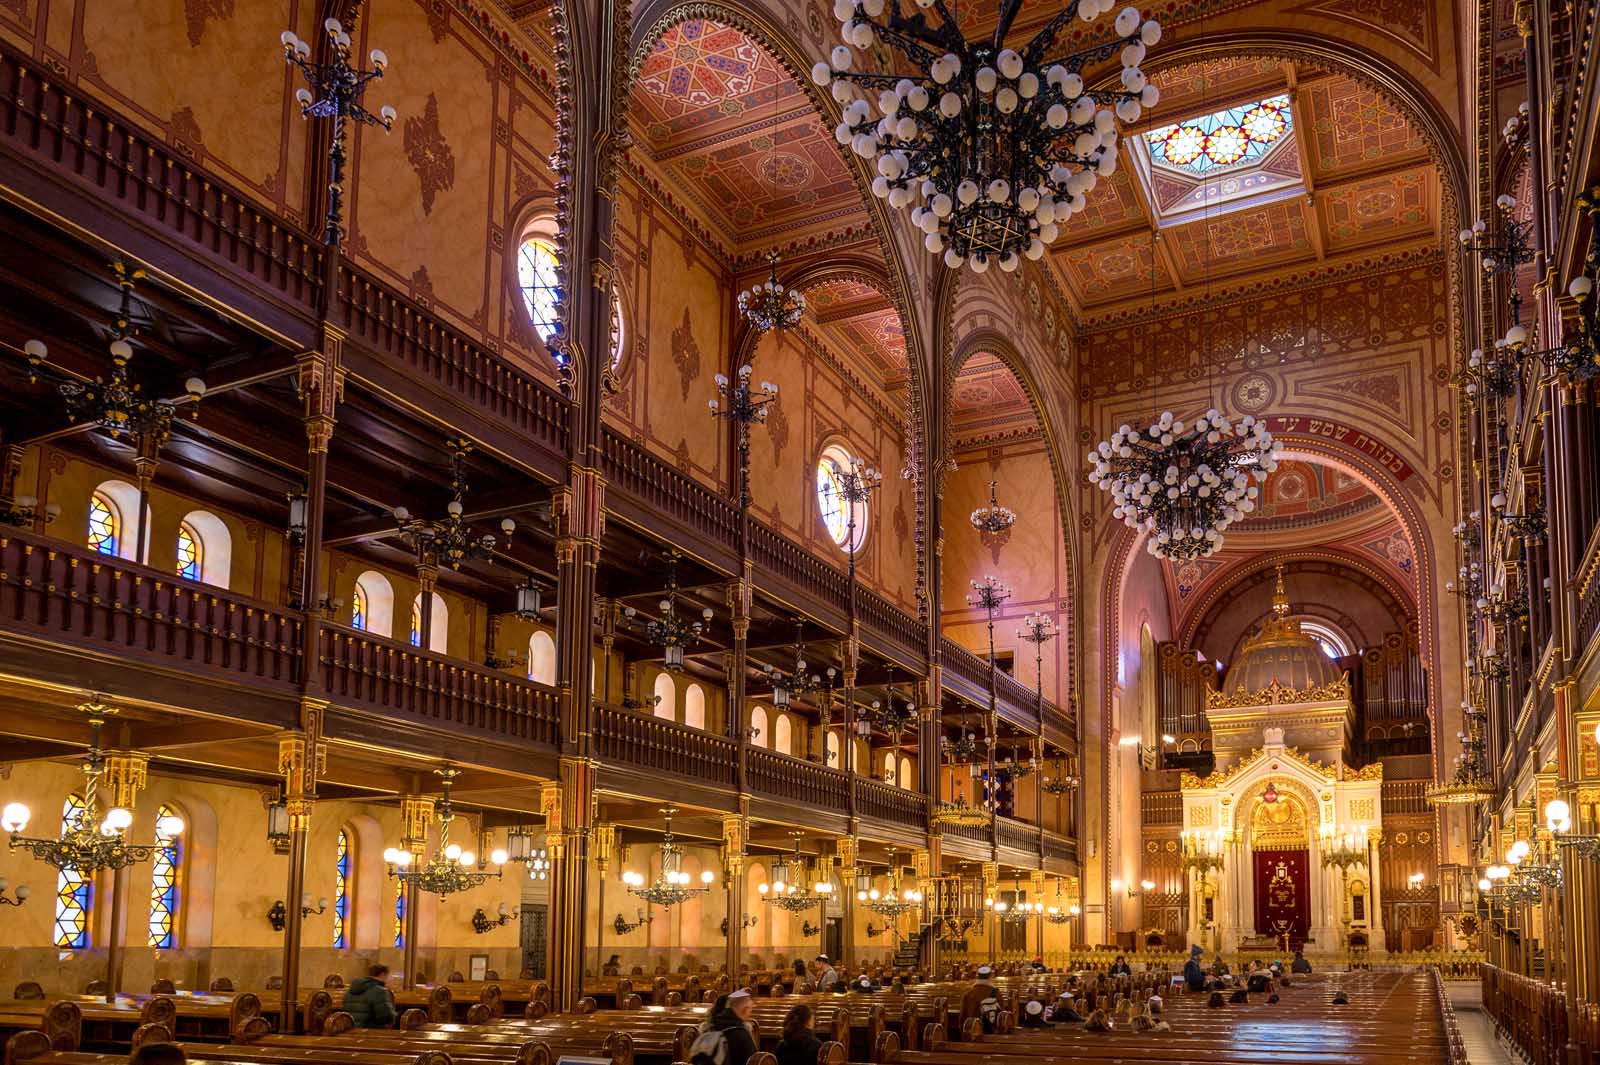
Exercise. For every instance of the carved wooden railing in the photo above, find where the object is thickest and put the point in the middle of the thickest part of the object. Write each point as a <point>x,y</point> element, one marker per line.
<point>1060,724</point>
<point>962,663</point>
<point>69,594</point>
<point>1406,797</point>
<point>1009,832</point>
<point>1057,845</point>
<point>78,140</point>
<point>632,471</point>
<point>885,802</point>
<point>1015,693</point>
<point>880,615</point>
<point>778,555</point>
<point>387,322</point>
<point>359,669</point>
<point>661,746</point>
<point>1587,578</point>
<point>979,833</point>
<point>780,776</point>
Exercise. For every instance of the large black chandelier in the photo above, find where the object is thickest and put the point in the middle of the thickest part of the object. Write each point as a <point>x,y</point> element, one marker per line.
<point>90,841</point>
<point>116,404</point>
<point>450,541</point>
<point>672,631</point>
<point>451,869</point>
<point>672,885</point>
<point>788,890</point>
<point>989,146</point>
<point>1184,484</point>
<point>771,305</point>
<point>889,715</point>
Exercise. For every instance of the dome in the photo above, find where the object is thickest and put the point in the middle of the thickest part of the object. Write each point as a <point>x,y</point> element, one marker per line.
<point>1279,651</point>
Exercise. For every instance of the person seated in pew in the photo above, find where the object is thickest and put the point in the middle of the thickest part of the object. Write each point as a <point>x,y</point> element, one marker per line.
<point>612,967</point>
<point>726,1039</point>
<point>802,979</point>
<point>1258,981</point>
<point>159,1054</point>
<point>1240,996</point>
<point>1038,965</point>
<point>367,1000</point>
<point>1341,999</point>
<point>1155,1005</point>
<point>864,984</point>
<point>1300,966</point>
<point>799,1045</point>
<point>1120,967</point>
<point>1065,1011</point>
<point>1033,1015</point>
<point>1272,998</point>
<point>989,1014</point>
<point>1216,1001</point>
<point>1194,974</point>
<point>1097,1022</point>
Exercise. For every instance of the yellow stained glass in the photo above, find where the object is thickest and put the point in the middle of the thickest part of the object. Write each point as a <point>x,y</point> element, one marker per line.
<point>358,609</point>
<point>1223,139</point>
<point>74,893</point>
<point>164,886</point>
<point>341,890</point>
<point>104,525</point>
<point>188,552</point>
<point>830,500</point>
<point>399,914</point>
<point>538,277</point>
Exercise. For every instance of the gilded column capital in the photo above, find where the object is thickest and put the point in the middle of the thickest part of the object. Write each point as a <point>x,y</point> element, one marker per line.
<point>416,814</point>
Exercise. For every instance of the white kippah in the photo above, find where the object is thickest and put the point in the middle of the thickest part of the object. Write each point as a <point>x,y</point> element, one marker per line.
<point>1034,1009</point>
<point>737,995</point>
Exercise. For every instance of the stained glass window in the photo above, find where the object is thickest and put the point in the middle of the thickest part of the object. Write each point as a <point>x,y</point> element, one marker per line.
<point>73,890</point>
<point>834,508</point>
<point>358,608</point>
<point>188,552</point>
<point>399,914</point>
<point>164,885</point>
<point>416,622</point>
<point>540,283</point>
<point>104,525</point>
<point>341,890</point>
<point>1224,138</point>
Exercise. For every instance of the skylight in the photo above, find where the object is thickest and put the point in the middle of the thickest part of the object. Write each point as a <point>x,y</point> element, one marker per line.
<point>1212,143</point>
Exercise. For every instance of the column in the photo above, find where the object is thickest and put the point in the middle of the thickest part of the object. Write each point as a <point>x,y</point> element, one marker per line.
<point>124,775</point>
<point>416,814</point>
<point>846,852</point>
<point>1377,935</point>
<point>567,808</point>
<point>735,833</point>
<point>301,758</point>
<point>605,848</point>
<point>740,593</point>
<point>320,382</point>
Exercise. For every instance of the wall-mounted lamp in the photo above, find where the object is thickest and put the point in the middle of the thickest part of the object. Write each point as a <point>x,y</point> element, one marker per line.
<point>1144,886</point>
<point>20,895</point>
<point>278,916</point>
<point>622,927</point>
<point>482,923</point>
<point>874,931</point>
<point>807,930</point>
<point>746,921</point>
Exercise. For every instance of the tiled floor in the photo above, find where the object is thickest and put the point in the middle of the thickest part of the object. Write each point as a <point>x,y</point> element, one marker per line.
<point>1477,1030</point>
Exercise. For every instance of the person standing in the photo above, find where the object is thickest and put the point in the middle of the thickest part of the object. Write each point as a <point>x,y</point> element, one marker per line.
<point>828,978</point>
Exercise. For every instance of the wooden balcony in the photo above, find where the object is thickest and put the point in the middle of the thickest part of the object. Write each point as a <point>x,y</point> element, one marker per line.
<point>651,744</point>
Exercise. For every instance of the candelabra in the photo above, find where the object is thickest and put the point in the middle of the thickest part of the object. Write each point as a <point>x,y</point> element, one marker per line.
<point>89,842</point>
<point>622,927</point>
<point>335,92</point>
<point>1469,583</point>
<point>1494,374</point>
<point>786,685</point>
<point>24,510</point>
<point>787,890</point>
<point>891,903</point>
<point>1529,525</point>
<point>993,521</point>
<point>1558,818</point>
<point>743,406</point>
<point>854,482</point>
<point>887,716</point>
<point>807,929</point>
<point>1062,783</point>
<point>747,920</point>
<point>770,305</point>
<point>672,631</point>
<point>1471,781</point>
<point>450,541</point>
<point>1038,629</point>
<point>450,869</point>
<point>671,885</point>
<point>1344,851</point>
<point>278,915</point>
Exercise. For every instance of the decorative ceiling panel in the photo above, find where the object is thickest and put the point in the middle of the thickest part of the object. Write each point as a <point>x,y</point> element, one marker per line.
<point>1351,127</point>
<point>1298,494</point>
<point>1379,209</point>
<point>700,74</point>
<point>988,402</point>
<point>1202,86</point>
<point>1121,268</point>
<point>1112,205</point>
<point>858,323</point>
<point>1272,232</point>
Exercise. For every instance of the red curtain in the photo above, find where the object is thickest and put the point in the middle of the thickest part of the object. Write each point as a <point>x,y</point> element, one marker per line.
<point>1283,894</point>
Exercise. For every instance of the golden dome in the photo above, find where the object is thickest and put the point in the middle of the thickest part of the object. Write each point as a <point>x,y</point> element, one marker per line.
<point>1279,651</point>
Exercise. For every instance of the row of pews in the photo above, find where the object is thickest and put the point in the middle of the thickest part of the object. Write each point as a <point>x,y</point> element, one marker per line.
<point>1390,1019</point>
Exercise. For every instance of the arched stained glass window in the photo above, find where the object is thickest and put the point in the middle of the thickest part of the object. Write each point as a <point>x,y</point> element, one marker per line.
<point>399,913</point>
<point>538,277</point>
<point>189,552</point>
<point>164,884</point>
<point>358,608</point>
<point>74,893</point>
<point>416,622</point>
<point>105,525</point>
<point>341,891</point>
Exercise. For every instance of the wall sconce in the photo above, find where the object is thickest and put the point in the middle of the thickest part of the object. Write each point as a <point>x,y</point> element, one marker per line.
<point>21,894</point>
<point>297,515</point>
<point>807,930</point>
<point>1144,886</point>
<point>746,921</point>
<point>622,927</point>
<point>1415,880</point>
<point>482,923</point>
<point>278,916</point>
<point>874,932</point>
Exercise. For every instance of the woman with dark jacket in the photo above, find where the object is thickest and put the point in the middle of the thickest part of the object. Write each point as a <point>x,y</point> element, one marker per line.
<point>799,1045</point>
<point>1120,967</point>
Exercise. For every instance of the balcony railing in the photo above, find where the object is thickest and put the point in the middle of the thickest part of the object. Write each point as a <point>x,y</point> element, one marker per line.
<point>880,615</point>
<point>632,471</point>
<point>359,670</point>
<point>660,746</point>
<point>69,594</point>
<point>885,802</point>
<point>780,776</point>
<point>1017,834</point>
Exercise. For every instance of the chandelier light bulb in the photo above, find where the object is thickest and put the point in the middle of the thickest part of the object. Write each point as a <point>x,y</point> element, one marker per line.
<point>118,818</point>
<point>15,817</point>
<point>1558,815</point>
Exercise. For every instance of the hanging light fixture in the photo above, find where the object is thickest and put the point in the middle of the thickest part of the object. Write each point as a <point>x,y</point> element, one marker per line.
<point>672,885</point>
<point>451,869</point>
<point>770,305</point>
<point>1184,484</point>
<point>1471,779</point>
<point>991,148</point>
<point>886,716</point>
<point>788,890</point>
<point>450,541</point>
<point>1062,783</point>
<point>90,841</point>
<point>993,521</point>
<point>787,685</point>
<point>893,902</point>
<point>671,631</point>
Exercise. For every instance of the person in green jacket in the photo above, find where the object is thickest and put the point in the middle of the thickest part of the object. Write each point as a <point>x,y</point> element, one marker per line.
<point>367,1000</point>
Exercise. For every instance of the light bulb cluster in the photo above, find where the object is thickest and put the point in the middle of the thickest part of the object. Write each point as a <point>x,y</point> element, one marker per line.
<point>1184,484</point>
<point>771,305</point>
<point>990,148</point>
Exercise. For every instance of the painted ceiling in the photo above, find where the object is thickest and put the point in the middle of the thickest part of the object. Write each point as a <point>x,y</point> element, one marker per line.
<point>856,320</point>
<point>988,404</point>
<point>1350,176</point>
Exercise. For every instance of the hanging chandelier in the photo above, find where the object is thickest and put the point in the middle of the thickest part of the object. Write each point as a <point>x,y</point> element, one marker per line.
<point>672,631</point>
<point>1017,912</point>
<point>888,716</point>
<point>1014,769</point>
<point>1471,780</point>
<point>770,305</point>
<point>990,147</point>
<point>966,748</point>
<point>672,885</point>
<point>1056,913</point>
<point>787,890</point>
<point>116,404</point>
<point>1062,783</point>
<point>1184,484</point>
<point>786,685</point>
<point>891,903</point>
<point>89,842</point>
<point>993,521</point>
<point>450,541</point>
<point>957,812</point>
<point>451,869</point>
